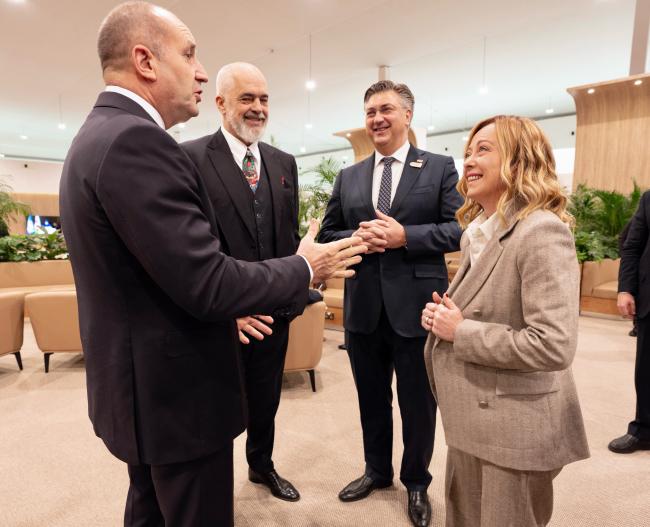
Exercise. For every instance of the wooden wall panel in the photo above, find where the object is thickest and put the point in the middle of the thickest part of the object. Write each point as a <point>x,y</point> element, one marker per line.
<point>613,133</point>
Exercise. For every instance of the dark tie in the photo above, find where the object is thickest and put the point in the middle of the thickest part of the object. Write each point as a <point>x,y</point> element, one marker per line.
<point>383,202</point>
<point>250,170</point>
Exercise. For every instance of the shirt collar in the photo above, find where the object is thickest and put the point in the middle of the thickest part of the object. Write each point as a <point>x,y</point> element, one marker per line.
<point>139,100</point>
<point>238,148</point>
<point>399,154</point>
<point>485,227</point>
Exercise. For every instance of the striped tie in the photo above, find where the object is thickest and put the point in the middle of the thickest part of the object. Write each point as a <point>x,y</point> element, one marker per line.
<point>383,202</point>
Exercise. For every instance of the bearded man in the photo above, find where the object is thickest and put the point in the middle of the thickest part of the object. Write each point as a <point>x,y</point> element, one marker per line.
<point>254,190</point>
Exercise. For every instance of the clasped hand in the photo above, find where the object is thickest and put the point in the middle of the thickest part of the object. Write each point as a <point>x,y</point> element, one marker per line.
<point>441,317</point>
<point>381,233</point>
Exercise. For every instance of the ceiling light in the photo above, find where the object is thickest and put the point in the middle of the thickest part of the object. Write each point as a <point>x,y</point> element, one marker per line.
<point>483,90</point>
<point>309,126</point>
<point>2,156</point>
<point>590,91</point>
<point>24,137</point>
<point>638,82</point>
<point>310,85</point>
<point>549,110</point>
<point>61,126</point>
<point>181,125</point>
<point>344,158</point>
<point>465,138</point>
<point>348,134</point>
<point>302,149</point>
<point>431,128</point>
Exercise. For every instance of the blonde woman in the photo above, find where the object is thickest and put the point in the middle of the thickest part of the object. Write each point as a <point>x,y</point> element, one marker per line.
<point>504,336</point>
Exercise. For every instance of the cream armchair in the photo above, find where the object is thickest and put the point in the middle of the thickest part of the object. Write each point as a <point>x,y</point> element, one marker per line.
<point>11,325</point>
<point>55,321</point>
<point>306,341</point>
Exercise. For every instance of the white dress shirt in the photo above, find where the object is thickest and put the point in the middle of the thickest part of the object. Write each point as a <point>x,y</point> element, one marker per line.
<point>137,99</point>
<point>396,168</point>
<point>238,150</point>
<point>480,232</point>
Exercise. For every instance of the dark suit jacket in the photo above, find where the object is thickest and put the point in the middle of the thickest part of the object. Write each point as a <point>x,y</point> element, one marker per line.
<point>156,295</point>
<point>401,279</point>
<point>229,194</point>
<point>635,259</point>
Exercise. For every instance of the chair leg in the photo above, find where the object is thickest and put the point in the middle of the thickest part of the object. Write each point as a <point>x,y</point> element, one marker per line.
<point>312,378</point>
<point>19,360</point>
<point>46,358</point>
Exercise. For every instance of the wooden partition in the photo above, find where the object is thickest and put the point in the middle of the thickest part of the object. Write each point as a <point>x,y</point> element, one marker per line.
<point>613,131</point>
<point>361,143</point>
<point>41,205</point>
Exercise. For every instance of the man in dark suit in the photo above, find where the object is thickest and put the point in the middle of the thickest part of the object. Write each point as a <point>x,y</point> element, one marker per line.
<point>254,190</point>
<point>401,200</point>
<point>157,297</point>
<point>634,300</point>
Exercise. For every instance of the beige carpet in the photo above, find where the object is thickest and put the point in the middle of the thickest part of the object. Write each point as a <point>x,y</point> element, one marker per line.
<point>55,472</point>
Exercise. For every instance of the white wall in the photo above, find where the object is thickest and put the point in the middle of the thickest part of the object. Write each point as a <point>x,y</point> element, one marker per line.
<point>37,177</point>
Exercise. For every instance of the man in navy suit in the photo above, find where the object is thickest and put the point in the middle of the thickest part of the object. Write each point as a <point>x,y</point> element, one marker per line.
<point>634,300</point>
<point>401,200</point>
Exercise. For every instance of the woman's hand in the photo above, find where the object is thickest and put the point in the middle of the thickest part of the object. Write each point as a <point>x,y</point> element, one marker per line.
<point>428,312</point>
<point>445,318</point>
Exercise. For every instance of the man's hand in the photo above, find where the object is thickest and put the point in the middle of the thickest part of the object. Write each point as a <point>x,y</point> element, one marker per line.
<point>330,260</point>
<point>626,305</point>
<point>395,233</point>
<point>373,236</point>
<point>255,326</point>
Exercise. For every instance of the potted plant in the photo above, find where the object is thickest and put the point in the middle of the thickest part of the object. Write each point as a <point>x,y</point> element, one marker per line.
<point>314,197</point>
<point>8,207</point>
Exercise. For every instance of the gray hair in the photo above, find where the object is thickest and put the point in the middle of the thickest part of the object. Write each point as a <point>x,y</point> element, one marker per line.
<point>228,72</point>
<point>405,94</point>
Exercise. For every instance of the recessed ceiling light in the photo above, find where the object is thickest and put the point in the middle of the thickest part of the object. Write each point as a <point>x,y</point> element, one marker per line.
<point>181,125</point>
<point>309,126</point>
<point>1,156</point>
<point>310,85</point>
<point>483,90</point>
<point>549,110</point>
<point>590,91</point>
<point>61,126</point>
<point>431,128</point>
<point>638,82</point>
<point>465,138</point>
<point>344,158</point>
<point>348,134</point>
<point>24,137</point>
<point>302,149</point>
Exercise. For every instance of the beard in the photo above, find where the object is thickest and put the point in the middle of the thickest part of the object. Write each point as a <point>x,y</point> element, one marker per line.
<point>246,133</point>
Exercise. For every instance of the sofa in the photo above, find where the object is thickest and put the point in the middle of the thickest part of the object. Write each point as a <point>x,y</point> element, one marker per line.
<point>599,287</point>
<point>306,341</point>
<point>11,325</point>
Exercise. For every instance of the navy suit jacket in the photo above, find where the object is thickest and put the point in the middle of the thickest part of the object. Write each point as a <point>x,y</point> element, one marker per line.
<point>635,259</point>
<point>403,279</point>
<point>157,297</point>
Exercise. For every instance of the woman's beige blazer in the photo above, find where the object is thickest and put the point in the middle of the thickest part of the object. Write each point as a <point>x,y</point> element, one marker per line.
<point>504,387</point>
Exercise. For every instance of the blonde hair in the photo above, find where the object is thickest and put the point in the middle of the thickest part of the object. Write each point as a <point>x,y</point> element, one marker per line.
<point>527,172</point>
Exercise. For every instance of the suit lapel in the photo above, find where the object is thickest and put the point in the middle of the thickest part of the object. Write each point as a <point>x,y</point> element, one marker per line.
<point>473,279</point>
<point>409,177</point>
<point>274,176</point>
<point>232,179</point>
<point>364,184</point>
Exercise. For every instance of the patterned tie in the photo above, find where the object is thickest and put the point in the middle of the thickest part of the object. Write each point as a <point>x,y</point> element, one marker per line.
<point>250,170</point>
<point>383,202</point>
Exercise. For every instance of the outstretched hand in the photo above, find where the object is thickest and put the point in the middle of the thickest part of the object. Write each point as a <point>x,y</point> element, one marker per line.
<point>255,326</point>
<point>330,260</point>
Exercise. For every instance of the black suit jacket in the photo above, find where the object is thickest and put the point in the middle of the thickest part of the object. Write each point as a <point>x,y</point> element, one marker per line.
<point>635,259</point>
<point>156,295</point>
<point>401,279</point>
<point>230,195</point>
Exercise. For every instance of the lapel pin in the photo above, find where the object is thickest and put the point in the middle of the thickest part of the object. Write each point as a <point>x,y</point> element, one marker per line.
<point>416,164</point>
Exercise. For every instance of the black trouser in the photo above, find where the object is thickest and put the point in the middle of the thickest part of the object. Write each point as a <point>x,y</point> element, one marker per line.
<point>640,427</point>
<point>194,493</point>
<point>374,357</point>
<point>263,367</point>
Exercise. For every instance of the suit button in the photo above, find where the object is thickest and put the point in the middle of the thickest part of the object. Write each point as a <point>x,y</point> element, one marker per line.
<point>483,404</point>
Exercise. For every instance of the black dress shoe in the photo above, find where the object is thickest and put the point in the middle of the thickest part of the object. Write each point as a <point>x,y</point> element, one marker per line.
<point>419,508</point>
<point>627,444</point>
<point>361,488</point>
<point>279,487</point>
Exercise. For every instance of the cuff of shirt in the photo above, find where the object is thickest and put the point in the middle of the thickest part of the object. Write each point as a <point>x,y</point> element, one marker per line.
<point>311,273</point>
